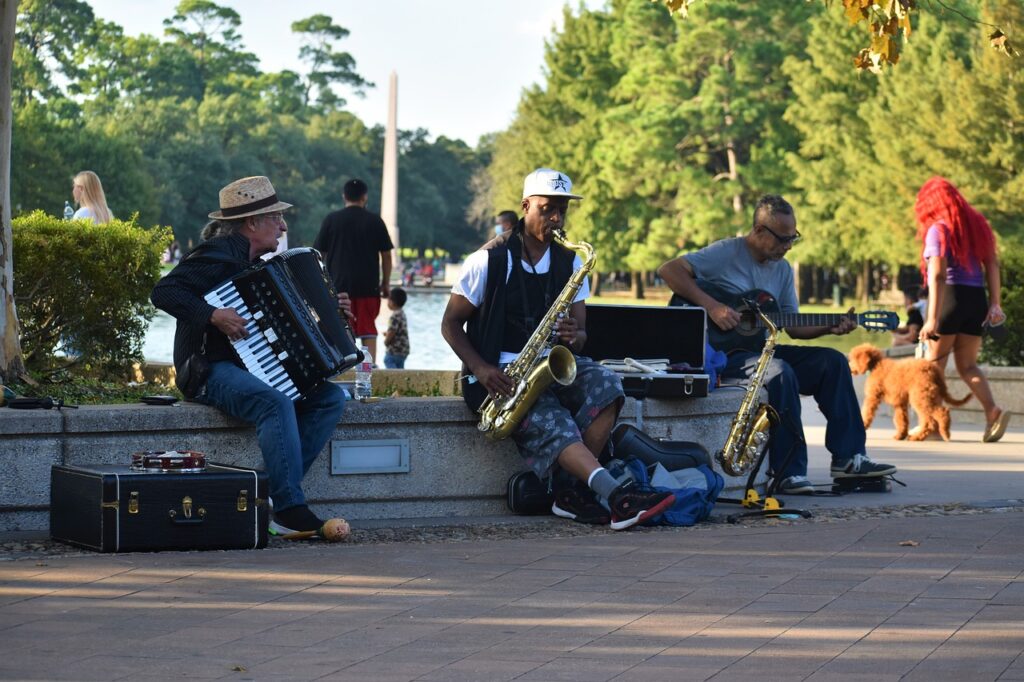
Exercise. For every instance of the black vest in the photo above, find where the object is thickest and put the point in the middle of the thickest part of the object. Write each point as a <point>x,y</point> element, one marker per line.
<point>486,328</point>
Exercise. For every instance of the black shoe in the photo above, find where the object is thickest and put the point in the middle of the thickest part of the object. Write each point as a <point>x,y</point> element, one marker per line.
<point>580,505</point>
<point>632,503</point>
<point>294,520</point>
<point>860,466</point>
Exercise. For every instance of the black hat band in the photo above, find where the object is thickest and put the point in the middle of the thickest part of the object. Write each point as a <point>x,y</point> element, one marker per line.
<point>252,206</point>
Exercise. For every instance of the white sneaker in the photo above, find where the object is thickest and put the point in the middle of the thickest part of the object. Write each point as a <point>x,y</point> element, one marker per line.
<point>796,485</point>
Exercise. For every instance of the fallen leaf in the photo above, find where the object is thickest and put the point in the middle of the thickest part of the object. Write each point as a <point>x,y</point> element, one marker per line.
<point>909,543</point>
<point>239,669</point>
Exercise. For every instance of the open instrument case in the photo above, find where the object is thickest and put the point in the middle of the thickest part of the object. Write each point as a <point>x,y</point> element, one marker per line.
<point>671,335</point>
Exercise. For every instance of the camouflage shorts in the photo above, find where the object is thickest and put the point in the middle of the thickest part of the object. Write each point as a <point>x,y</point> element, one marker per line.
<point>562,413</point>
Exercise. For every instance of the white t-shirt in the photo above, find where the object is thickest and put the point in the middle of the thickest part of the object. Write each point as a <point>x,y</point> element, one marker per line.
<point>472,283</point>
<point>85,212</point>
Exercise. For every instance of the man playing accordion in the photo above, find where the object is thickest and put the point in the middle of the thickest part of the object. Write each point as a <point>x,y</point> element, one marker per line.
<point>290,434</point>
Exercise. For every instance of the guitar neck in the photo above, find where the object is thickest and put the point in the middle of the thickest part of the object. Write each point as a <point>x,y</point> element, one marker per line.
<point>784,320</point>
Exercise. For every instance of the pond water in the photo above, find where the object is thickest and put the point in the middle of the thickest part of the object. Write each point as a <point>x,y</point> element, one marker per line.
<point>423,311</point>
<point>429,350</point>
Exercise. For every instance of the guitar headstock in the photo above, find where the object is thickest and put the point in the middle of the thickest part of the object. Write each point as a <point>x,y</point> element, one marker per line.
<point>878,320</point>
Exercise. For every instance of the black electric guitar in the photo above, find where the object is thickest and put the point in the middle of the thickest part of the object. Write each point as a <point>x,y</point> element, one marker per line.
<point>749,334</point>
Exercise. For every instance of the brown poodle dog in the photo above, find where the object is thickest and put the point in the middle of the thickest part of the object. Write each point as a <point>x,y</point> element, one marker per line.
<point>903,383</point>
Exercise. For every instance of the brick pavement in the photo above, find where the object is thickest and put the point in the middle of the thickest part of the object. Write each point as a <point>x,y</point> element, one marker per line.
<point>842,600</point>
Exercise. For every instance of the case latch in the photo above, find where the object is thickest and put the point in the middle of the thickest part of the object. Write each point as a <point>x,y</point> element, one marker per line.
<point>243,501</point>
<point>688,385</point>
<point>133,502</point>
<point>186,508</point>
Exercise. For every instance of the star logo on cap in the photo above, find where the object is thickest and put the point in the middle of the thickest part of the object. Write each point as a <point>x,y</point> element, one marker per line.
<point>559,183</point>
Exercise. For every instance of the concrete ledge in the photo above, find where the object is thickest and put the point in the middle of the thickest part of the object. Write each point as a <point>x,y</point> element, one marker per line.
<point>454,471</point>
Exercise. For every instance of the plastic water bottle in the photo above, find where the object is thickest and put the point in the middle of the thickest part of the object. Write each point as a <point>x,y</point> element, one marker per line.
<point>69,212</point>
<point>364,387</point>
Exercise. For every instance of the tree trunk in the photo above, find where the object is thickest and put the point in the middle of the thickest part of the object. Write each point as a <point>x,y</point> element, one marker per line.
<point>595,284</point>
<point>864,281</point>
<point>638,284</point>
<point>11,365</point>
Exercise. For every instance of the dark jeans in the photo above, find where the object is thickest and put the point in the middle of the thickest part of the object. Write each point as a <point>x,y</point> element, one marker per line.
<point>394,361</point>
<point>290,434</point>
<point>808,370</point>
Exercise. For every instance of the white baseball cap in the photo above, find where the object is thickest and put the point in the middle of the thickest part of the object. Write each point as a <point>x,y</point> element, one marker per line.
<point>546,182</point>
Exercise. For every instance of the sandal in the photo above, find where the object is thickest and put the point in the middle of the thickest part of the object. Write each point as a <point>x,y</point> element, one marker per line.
<point>997,428</point>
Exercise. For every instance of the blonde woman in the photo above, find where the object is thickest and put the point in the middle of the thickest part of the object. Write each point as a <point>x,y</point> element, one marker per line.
<point>88,193</point>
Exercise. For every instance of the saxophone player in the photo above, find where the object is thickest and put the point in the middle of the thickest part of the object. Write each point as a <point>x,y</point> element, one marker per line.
<point>748,267</point>
<point>502,302</point>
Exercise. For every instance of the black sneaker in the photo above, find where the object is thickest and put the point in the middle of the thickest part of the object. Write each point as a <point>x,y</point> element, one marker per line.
<point>294,520</point>
<point>861,466</point>
<point>632,503</point>
<point>580,505</point>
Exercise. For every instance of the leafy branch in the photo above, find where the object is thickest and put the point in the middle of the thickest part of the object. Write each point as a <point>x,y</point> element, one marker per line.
<point>886,20</point>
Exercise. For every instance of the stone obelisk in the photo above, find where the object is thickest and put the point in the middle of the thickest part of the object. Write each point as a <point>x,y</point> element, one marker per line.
<point>389,181</point>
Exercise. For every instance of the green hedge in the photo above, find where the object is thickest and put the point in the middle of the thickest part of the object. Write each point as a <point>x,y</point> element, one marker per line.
<point>1010,351</point>
<point>85,286</point>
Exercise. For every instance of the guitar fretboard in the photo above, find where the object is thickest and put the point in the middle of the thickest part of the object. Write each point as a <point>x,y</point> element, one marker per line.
<point>784,320</point>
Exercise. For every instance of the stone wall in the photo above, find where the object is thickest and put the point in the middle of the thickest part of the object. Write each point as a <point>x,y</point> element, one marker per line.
<point>453,470</point>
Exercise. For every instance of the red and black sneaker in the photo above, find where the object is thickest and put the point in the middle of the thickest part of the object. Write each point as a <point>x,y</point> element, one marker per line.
<point>632,503</point>
<point>580,505</point>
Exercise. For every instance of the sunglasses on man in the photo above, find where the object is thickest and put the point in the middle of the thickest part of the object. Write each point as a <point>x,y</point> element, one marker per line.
<point>790,239</point>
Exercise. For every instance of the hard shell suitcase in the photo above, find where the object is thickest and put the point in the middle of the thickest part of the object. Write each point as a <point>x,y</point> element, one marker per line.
<point>114,508</point>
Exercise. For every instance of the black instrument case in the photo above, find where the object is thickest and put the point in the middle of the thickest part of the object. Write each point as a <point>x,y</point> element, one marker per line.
<point>114,508</point>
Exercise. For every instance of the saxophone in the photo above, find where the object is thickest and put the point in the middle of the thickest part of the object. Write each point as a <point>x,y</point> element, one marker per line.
<point>530,371</point>
<point>750,427</point>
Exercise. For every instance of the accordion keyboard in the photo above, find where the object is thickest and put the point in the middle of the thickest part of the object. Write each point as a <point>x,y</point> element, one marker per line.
<point>256,350</point>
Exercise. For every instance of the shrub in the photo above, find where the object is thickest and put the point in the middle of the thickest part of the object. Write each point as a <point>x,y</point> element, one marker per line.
<point>1009,351</point>
<point>84,288</point>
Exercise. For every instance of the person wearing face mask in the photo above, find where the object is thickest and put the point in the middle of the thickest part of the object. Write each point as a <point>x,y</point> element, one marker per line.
<point>731,268</point>
<point>290,434</point>
<point>504,222</point>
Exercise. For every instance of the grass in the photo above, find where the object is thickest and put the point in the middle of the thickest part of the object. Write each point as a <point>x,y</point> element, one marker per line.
<point>78,390</point>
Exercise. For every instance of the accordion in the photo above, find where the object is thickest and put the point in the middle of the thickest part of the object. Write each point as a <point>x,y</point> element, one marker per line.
<point>298,337</point>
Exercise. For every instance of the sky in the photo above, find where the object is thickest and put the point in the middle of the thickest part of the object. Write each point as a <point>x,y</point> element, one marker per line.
<point>461,64</point>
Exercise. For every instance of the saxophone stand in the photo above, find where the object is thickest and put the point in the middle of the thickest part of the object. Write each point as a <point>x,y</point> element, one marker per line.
<point>769,506</point>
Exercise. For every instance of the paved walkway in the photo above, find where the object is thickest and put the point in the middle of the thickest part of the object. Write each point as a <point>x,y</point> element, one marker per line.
<point>880,597</point>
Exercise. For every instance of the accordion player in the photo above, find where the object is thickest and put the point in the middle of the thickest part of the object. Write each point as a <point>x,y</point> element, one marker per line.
<point>297,337</point>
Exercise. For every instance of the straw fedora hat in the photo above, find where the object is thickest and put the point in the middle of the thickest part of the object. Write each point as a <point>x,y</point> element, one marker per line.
<point>246,197</point>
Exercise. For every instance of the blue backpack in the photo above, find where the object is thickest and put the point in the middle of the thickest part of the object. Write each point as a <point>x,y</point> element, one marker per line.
<point>693,503</point>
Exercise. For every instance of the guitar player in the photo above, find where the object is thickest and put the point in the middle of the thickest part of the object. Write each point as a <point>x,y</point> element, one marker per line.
<point>717,278</point>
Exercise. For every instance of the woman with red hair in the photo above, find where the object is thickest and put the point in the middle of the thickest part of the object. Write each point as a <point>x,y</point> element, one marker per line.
<point>958,259</point>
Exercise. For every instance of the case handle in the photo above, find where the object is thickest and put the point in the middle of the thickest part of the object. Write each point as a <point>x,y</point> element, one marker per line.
<point>186,508</point>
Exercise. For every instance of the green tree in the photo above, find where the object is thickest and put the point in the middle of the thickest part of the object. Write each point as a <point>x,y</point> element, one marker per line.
<point>49,32</point>
<point>327,67</point>
<point>208,32</point>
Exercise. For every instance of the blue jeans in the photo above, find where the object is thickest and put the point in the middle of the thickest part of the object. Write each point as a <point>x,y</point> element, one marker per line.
<point>290,434</point>
<point>808,370</point>
<point>394,361</point>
